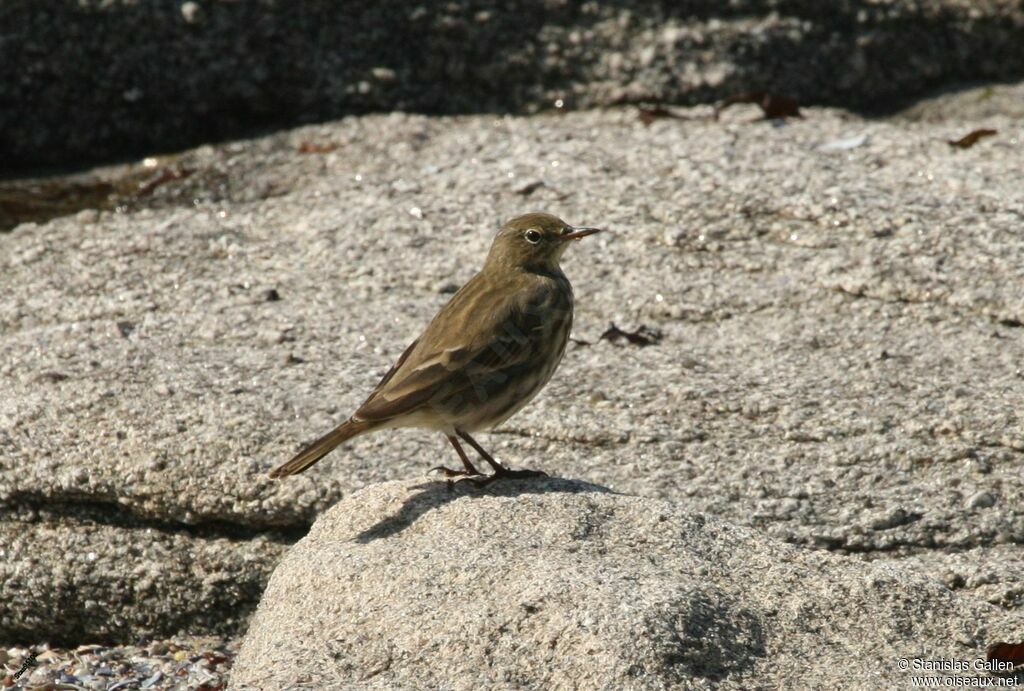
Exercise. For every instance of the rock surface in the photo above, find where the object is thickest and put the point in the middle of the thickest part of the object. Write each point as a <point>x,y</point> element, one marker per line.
<point>840,302</point>
<point>181,663</point>
<point>556,584</point>
<point>89,80</point>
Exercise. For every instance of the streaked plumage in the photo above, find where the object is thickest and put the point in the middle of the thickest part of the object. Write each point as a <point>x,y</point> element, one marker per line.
<point>485,355</point>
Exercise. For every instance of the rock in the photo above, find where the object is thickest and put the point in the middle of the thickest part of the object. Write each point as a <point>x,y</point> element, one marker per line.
<point>65,583</point>
<point>204,662</point>
<point>981,500</point>
<point>893,518</point>
<point>561,584</point>
<point>39,679</point>
<point>192,12</point>
<point>46,657</point>
<point>150,452</point>
<point>383,74</point>
<point>192,72</point>
<point>976,102</point>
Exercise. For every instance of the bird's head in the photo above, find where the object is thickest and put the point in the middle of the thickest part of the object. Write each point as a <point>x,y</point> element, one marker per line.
<point>534,241</point>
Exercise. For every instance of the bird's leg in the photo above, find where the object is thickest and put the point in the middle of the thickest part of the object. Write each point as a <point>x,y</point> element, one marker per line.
<point>500,471</point>
<point>470,469</point>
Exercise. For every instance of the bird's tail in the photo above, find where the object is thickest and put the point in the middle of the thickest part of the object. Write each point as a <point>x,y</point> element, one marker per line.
<point>321,447</point>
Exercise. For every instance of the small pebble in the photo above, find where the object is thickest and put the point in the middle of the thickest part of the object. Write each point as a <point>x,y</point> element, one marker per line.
<point>39,677</point>
<point>981,500</point>
<point>86,216</point>
<point>273,336</point>
<point>191,12</point>
<point>788,505</point>
<point>952,580</point>
<point>196,663</point>
<point>402,186</point>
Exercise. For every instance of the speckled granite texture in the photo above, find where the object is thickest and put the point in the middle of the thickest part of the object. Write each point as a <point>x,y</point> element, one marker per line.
<point>840,302</point>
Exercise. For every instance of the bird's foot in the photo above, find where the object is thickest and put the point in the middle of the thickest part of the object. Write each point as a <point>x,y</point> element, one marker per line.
<point>453,476</point>
<point>503,473</point>
<point>449,473</point>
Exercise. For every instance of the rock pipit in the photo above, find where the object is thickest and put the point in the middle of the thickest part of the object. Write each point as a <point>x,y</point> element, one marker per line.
<point>483,357</point>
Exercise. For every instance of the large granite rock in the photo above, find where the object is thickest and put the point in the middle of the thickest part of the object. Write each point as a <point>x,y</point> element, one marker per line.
<point>86,80</point>
<point>562,585</point>
<point>840,302</point>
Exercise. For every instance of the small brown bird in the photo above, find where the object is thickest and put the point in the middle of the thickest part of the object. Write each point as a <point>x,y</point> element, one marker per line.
<point>485,355</point>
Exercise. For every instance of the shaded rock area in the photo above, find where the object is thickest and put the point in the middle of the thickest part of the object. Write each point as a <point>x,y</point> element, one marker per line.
<point>90,80</point>
<point>78,577</point>
<point>839,303</point>
<point>558,584</point>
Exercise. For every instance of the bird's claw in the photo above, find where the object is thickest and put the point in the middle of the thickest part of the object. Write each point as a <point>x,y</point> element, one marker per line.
<point>480,479</point>
<point>503,473</point>
<point>448,472</point>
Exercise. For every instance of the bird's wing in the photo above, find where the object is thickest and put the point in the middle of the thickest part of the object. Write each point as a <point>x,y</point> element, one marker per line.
<point>464,350</point>
<point>394,368</point>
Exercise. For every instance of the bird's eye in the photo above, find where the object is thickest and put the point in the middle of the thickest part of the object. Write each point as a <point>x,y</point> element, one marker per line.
<point>532,236</point>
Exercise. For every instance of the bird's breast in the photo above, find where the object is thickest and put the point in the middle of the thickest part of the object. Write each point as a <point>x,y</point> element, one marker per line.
<point>545,323</point>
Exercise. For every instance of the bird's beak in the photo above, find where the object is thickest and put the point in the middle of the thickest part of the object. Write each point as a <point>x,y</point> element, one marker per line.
<point>577,233</point>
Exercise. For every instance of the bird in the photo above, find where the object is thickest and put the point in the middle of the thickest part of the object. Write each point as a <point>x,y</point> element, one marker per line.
<point>483,357</point>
